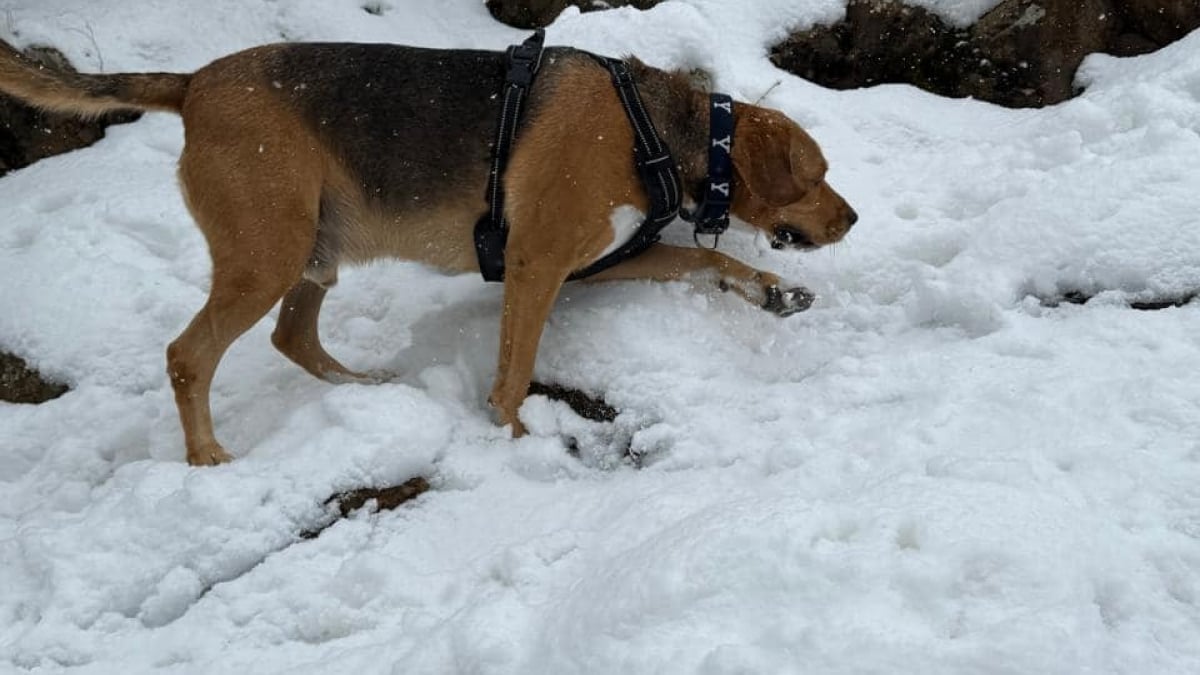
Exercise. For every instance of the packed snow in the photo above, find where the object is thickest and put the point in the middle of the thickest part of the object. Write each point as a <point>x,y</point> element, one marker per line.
<point>961,13</point>
<point>936,469</point>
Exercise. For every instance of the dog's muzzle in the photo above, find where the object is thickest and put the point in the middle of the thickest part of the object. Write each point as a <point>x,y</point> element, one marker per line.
<point>789,237</point>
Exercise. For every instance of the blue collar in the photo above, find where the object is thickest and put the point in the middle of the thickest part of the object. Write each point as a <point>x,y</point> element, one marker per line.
<point>712,212</point>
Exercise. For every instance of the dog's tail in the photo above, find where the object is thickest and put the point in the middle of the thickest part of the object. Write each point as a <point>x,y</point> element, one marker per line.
<point>63,91</point>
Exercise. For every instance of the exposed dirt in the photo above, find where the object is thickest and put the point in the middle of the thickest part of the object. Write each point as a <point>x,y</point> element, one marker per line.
<point>384,499</point>
<point>1082,298</point>
<point>584,405</point>
<point>21,384</point>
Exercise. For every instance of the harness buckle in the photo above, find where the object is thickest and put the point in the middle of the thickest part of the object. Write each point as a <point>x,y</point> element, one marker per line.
<point>520,74</point>
<point>525,59</point>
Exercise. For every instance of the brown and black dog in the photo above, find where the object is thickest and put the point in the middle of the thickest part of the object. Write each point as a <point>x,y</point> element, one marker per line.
<point>300,157</point>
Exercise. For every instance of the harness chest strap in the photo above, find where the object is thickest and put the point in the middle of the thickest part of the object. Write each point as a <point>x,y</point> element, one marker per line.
<point>655,166</point>
<point>652,158</point>
<point>491,230</point>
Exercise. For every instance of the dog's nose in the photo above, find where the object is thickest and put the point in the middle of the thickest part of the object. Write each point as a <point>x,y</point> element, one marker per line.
<point>851,217</point>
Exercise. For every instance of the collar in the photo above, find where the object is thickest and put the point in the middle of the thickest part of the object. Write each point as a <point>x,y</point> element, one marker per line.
<point>711,216</point>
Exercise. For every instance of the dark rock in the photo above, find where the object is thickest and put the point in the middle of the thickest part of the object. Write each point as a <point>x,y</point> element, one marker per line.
<point>21,384</point>
<point>539,13</point>
<point>1022,53</point>
<point>878,42</point>
<point>1034,47</point>
<point>1160,23</point>
<point>28,134</point>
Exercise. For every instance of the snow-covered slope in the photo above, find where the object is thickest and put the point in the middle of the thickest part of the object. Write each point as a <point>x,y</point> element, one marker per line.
<point>930,471</point>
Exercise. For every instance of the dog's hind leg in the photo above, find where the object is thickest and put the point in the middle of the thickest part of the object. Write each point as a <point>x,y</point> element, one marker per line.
<point>261,228</point>
<point>240,296</point>
<point>669,263</point>
<point>296,333</point>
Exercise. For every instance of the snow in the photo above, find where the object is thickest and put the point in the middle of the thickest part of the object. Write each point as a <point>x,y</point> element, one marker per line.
<point>960,13</point>
<point>929,471</point>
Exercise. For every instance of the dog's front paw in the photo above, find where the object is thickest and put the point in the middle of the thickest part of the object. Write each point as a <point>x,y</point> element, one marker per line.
<point>787,303</point>
<point>208,455</point>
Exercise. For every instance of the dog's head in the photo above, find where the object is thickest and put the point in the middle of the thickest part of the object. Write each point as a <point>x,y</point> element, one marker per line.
<point>781,186</point>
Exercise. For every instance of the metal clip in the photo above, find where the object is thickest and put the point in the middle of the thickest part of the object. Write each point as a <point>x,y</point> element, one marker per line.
<point>716,240</point>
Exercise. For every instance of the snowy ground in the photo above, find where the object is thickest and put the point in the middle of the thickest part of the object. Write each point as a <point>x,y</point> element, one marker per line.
<point>929,472</point>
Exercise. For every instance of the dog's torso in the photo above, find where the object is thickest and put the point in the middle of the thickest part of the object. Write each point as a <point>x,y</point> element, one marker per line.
<point>404,136</point>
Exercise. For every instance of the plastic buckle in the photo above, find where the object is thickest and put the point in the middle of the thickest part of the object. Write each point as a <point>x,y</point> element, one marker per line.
<point>524,60</point>
<point>520,66</point>
<point>520,74</point>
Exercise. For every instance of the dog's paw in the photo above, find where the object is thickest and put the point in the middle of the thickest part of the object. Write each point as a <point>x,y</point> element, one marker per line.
<point>789,302</point>
<point>209,456</point>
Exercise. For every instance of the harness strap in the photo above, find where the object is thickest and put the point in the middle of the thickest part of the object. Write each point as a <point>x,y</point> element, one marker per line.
<point>491,230</point>
<point>655,165</point>
<point>652,158</point>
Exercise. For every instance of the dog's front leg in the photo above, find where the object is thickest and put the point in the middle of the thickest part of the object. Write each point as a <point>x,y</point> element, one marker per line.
<point>529,294</point>
<point>668,263</point>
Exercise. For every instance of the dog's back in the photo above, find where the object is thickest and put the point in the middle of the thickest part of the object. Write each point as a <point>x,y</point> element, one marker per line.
<point>406,121</point>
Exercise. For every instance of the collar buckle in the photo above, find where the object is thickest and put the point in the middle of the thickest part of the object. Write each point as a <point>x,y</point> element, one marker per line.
<point>715,243</point>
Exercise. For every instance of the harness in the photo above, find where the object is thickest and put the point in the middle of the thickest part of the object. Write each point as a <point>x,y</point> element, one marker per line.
<point>652,159</point>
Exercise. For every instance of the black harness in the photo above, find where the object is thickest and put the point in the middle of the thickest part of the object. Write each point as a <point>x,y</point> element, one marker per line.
<point>491,231</point>
<point>651,156</point>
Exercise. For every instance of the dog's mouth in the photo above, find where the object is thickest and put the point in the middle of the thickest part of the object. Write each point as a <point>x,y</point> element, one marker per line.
<point>787,236</point>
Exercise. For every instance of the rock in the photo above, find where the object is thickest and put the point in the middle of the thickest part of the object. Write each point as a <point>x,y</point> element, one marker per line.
<point>1160,23</point>
<point>21,384</point>
<point>1023,53</point>
<point>1030,49</point>
<point>28,134</point>
<point>539,13</point>
<point>879,41</point>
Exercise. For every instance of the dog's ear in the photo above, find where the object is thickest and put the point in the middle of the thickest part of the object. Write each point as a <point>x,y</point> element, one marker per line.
<point>767,156</point>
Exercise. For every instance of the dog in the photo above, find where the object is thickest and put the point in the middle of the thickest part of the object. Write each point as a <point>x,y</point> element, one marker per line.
<point>301,157</point>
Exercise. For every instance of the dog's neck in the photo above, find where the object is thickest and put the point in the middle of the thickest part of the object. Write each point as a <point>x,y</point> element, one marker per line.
<point>680,114</point>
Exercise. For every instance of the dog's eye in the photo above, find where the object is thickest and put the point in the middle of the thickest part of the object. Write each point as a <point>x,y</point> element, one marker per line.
<point>806,186</point>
